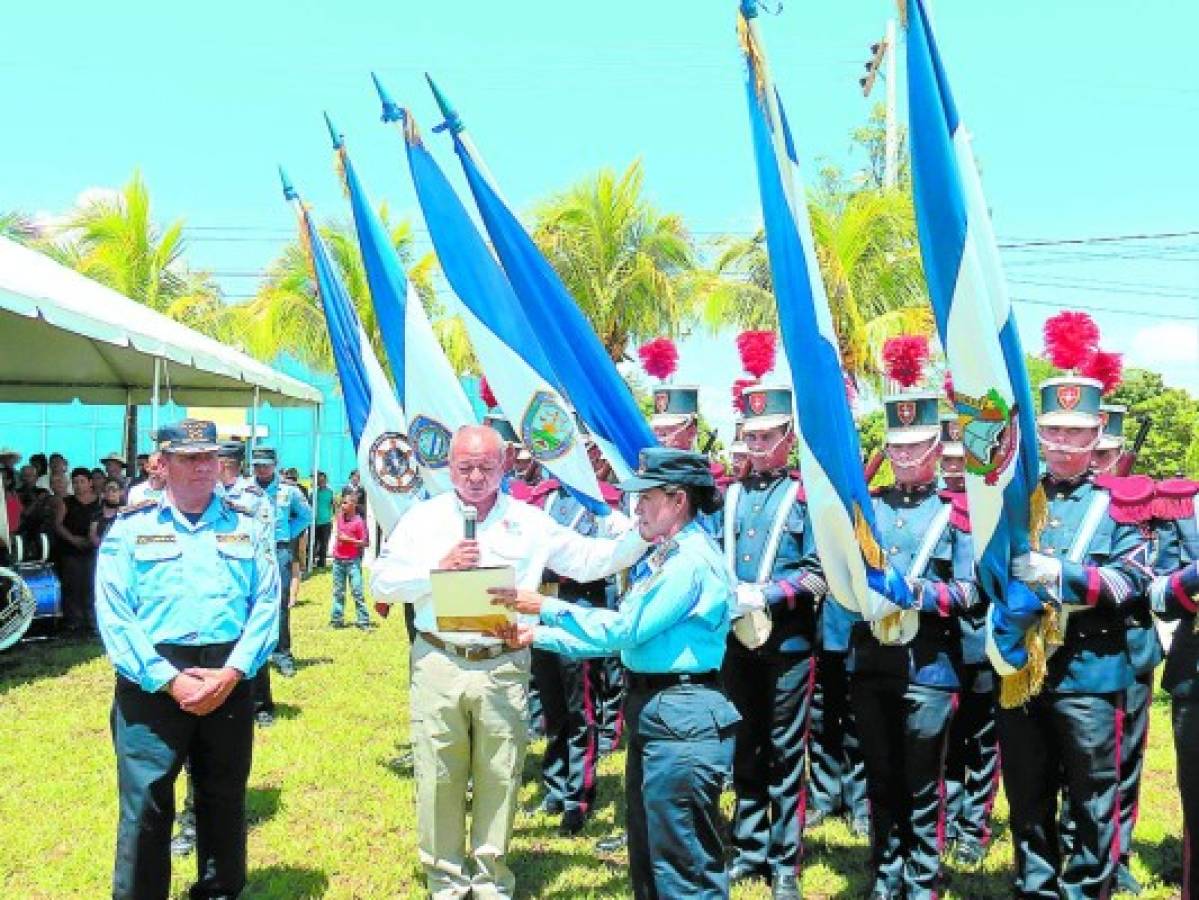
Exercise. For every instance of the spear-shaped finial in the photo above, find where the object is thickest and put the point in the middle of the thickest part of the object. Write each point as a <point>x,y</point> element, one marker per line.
<point>339,139</point>
<point>749,8</point>
<point>392,111</point>
<point>289,192</point>
<point>452,120</point>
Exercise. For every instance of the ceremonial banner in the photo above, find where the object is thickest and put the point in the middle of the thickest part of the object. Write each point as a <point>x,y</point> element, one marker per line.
<point>830,455</point>
<point>377,424</point>
<point>513,360</point>
<point>429,391</point>
<point>582,365</point>
<point>978,331</point>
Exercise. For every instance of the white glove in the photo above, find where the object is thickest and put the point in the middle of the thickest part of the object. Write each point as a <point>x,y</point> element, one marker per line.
<point>1037,568</point>
<point>750,598</point>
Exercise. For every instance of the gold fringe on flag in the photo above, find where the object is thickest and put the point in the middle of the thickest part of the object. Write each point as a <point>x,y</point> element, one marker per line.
<point>1020,687</point>
<point>871,551</point>
<point>1038,515</point>
<point>753,58</point>
<point>339,166</point>
<point>411,132</point>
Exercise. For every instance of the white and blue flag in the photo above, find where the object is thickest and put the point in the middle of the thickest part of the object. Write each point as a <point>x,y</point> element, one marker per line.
<point>377,424</point>
<point>504,341</point>
<point>978,331</point>
<point>429,391</point>
<point>584,368</point>
<point>830,454</point>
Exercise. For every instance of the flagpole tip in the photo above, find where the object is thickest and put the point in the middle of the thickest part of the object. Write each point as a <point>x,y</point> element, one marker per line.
<point>392,111</point>
<point>452,120</point>
<point>749,8</point>
<point>337,137</point>
<point>289,191</point>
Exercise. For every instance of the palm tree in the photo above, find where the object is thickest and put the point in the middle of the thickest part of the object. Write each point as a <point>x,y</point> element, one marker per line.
<point>286,313</point>
<point>869,259</point>
<point>628,266</point>
<point>17,226</point>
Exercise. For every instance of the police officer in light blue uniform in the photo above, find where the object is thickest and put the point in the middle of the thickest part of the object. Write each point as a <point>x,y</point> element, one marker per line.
<point>1091,562</point>
<point>670,631</point>
<point>187,604</point>
<point>904,695</point>
<point>292,516</point>
<point>770,550</point>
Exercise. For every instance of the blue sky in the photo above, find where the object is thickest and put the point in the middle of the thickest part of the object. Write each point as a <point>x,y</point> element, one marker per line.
<point>1085,117</point>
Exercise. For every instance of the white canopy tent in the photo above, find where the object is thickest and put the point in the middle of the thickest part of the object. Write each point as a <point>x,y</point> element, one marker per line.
<point>65,337</point>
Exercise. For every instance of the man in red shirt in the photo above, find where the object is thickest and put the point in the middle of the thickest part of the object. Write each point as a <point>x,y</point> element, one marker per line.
<point>349,539</point>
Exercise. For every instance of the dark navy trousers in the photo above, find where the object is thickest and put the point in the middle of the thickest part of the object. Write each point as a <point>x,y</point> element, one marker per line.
<point>680,752</point>
<point>152,737</point>
<point>904,730</point>
<point>1050,738</point>
<point>837,775</point>
<point>1185,716</point>
<point>972,763</point>
<point>568,701</point>
<point>772,693</point>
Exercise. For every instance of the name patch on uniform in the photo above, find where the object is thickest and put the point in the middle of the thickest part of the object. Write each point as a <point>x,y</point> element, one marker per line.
<point>156,539</point>
<point>233,537</point>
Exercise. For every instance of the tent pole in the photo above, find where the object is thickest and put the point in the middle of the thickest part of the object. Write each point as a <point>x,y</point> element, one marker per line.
<point>316,466</point>
<point>130,432</point>
<point>154,397</point>
<point>253,425</point>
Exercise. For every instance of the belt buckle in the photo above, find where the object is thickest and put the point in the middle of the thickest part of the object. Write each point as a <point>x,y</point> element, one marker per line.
<point>476,653</point>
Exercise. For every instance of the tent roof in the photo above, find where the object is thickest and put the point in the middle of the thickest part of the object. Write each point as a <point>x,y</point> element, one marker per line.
<point>65,337</point>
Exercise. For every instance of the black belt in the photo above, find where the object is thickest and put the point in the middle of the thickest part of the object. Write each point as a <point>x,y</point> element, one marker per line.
<point>658,681</point>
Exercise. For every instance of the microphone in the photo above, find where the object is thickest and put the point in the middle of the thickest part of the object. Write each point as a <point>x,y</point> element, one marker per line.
<point>470,519</point>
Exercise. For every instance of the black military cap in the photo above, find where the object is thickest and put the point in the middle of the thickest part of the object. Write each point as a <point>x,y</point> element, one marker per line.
<point>188,436</point>
<point>265,456</point>
<point>232,450</point>
<point>660,466</point>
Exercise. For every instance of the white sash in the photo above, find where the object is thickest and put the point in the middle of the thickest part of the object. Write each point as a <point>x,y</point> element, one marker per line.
<point>732,498</point>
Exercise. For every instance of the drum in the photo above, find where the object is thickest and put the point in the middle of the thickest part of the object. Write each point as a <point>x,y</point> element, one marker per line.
<point>46,589</point>
<point>16,607</point>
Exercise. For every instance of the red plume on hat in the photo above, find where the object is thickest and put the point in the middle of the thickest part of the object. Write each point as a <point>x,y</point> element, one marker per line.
<point>1070,339</point>
<point>1106,368</point>
<point>659,357</point>
<point>486,395</point>
<point>947,384</point>
<point>739,387</point>
<point>851,389</point>
<point>758,350</point>
<point>904,358</point>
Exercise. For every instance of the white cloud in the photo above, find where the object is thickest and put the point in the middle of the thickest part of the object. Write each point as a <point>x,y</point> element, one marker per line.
<point>1176,342</point>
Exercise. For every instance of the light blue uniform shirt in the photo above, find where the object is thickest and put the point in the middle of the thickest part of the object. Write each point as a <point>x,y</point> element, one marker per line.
<point>162,580</point>
<point>674,618</point>
<point>291,510</point>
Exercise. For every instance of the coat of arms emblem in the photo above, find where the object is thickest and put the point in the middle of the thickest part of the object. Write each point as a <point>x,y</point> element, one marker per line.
<point>546,428</point>
<point>1068,396</point>
<point>392,463</point>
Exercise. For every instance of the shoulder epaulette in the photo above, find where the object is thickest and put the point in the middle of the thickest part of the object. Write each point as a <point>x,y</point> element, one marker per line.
<point>611,493</point>
<point>1132,497</point>
<point>959,509</point>
<point>800,493</point>
<point>1174,499</point>
<point>237,507</point>
<point>254,489</point>
<point>136,507</point>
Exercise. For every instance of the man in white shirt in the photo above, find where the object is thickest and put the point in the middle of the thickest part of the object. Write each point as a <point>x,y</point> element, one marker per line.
<point>468,689</point>
<point>154,486</point>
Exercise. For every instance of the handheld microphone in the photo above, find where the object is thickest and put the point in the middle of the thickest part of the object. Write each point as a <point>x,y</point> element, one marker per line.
<point>470,519</point>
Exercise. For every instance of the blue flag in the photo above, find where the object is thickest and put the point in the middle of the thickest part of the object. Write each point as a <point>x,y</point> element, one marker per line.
<point>429,391</point>
<point>584,368</point>
<point>978,331</point>
<point>377,424</point>
<point>830,455</point>
<point>513,360</point>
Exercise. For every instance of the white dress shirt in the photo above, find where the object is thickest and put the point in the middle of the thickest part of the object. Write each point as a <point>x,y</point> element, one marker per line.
<point>513,534</point>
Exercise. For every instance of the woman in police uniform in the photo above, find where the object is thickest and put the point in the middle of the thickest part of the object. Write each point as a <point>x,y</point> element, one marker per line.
<point>670,631</point>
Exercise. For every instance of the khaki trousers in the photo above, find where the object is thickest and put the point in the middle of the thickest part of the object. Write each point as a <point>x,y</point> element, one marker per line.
<point>468,726</point>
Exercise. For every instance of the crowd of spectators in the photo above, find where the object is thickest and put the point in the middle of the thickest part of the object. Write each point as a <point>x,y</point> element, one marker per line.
<point>58,515</point>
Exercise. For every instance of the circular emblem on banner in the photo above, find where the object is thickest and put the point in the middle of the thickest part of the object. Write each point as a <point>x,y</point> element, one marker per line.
<point>757,402</point>
<point>953,430</point>
<point>546,428</point>
<point>661,401</point>
<point>431,441</point>
<point>990,434</point>
<point>1068,396</point>
<point>393,464</point>
<point>905,411</point>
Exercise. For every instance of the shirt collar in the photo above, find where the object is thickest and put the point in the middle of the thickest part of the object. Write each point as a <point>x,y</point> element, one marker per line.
<point>498,509</point>
<point>212,513</point>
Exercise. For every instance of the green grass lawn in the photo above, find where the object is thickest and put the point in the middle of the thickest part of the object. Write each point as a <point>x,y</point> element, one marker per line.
<point>333,817</point>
